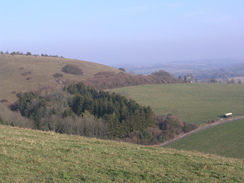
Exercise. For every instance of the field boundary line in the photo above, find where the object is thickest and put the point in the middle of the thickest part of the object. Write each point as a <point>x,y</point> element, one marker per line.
<point>200,128</point>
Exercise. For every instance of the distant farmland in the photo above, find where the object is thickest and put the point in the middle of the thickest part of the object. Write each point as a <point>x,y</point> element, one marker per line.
<point>194,103</point>
<point>225,140</point>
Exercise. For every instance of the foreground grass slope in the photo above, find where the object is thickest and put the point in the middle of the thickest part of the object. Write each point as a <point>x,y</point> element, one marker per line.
<point>34,156</point>
<point>225,140</point>
<point>194,103</point>
<point>21,73</point>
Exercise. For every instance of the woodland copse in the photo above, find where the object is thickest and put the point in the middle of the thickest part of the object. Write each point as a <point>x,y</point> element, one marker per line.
<point>82,110</point>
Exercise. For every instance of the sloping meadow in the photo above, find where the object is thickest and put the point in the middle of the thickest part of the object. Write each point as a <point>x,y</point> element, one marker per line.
<point>34,156</point>
<point>195,103</point>
<point>224,140</point>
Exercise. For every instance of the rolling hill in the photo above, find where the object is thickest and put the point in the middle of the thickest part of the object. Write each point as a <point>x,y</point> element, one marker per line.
<point>21,73</point>
<point>35,156</point>
<point>30,156</point>
<point>225,140</point>
<point>195,103</point>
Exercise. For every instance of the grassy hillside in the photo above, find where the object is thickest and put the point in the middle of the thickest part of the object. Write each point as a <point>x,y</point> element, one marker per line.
<point>21,73</point>
<point>225,140</point>
<point>194,103</point>
<point>34,156</point>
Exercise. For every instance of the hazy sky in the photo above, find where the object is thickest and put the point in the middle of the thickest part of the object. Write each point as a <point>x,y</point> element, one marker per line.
<point>115,32</point>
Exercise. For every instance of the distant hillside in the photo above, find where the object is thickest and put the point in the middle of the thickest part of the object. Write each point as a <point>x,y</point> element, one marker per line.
<point>222,74</point>
<point>202,70</point>
<point>42,74</point>
<point>34,156</point>
<point>21,73</point>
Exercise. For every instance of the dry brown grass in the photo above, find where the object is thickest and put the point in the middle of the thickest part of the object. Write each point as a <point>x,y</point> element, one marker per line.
<point>40,73</point>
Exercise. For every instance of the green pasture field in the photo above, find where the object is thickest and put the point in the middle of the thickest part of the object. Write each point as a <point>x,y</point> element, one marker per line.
<point>194,103</point>
<point>225,140</point>
<point>35,156</point>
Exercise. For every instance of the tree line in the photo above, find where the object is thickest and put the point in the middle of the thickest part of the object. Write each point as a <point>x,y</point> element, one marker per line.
<point>108,80</point>
<point>82,110</point>
<point>28,54</point>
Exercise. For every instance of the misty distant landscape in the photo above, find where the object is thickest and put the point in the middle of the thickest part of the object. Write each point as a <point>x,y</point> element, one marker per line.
<point>222,70</point>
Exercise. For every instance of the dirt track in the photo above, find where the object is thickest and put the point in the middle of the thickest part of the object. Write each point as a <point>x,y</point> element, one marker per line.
<point>200,129</point>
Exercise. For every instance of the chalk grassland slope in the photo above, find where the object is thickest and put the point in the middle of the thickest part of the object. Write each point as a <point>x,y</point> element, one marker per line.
<point>21,73</point>
<point>194,103</point>
<point>225,140</point>
<point>35,156</point>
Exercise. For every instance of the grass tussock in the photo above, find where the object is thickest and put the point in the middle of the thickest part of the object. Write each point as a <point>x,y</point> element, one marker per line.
<point>34,156</point>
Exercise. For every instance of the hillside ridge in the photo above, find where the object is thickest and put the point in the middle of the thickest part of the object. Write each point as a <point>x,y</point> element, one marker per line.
<point>23,73</point>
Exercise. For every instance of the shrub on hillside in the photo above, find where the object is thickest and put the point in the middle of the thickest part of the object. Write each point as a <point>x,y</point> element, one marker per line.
<point>122,69</point>
<point>72,69</point>
<point>13,118</point>
<point>58,75</point>
<point>161,73</point>
<point>3,100</point>
<point>189,127</point>
<point>26,73</point>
